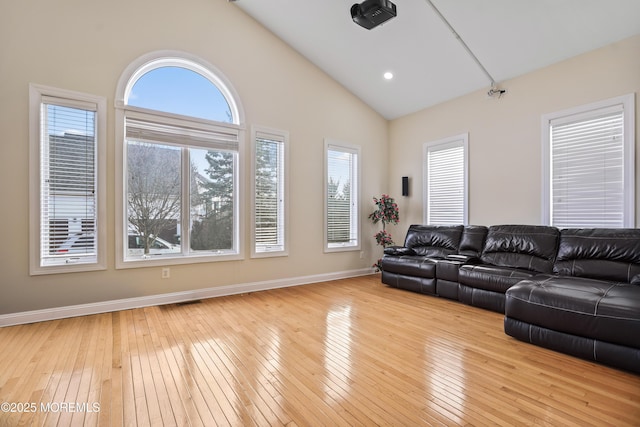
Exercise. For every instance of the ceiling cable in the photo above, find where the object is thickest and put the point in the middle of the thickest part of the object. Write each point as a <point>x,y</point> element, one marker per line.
<point>494,90</point>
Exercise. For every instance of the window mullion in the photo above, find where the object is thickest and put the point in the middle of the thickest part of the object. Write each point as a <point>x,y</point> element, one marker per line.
<point>185,196</point>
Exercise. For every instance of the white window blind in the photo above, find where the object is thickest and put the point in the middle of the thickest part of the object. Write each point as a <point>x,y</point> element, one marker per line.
<point>587,168</point>
<point>157,128</point>
<point>589,165</point>
<point>341,197</point>
<point>68,182</point>
<point>445,181</point>
<point>269,193</point>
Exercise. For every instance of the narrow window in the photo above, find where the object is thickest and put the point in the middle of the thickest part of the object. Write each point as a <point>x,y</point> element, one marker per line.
<point>342,229</point>
<point>67,181</point>
<point>269,202</point>
<point>445,181</point>
<point>589,165</point>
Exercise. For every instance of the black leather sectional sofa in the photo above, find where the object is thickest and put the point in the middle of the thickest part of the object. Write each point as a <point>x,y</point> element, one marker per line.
<point>573,290</point>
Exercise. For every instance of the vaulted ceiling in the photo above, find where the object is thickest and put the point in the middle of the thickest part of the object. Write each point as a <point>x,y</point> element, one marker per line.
<point>429,63</point>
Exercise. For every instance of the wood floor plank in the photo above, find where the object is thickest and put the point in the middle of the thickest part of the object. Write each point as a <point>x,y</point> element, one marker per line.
<point>350,352</point>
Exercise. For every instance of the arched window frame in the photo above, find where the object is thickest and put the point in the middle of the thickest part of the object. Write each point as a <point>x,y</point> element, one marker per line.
<point>127,81</point>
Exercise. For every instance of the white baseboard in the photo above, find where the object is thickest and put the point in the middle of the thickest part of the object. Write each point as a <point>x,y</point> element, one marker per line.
<point>170,298</point>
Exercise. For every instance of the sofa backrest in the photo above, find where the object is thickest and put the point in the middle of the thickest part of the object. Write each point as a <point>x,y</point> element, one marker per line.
<point>434,241</point>
<point>599,253</point>
<point>472,240</point>
<point>531,247</point>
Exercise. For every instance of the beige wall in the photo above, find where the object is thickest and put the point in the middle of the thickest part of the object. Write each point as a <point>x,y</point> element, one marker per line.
<point>505,148</point>
<point>85,46</point>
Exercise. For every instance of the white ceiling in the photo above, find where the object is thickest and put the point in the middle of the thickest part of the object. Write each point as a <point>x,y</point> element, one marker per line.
<point>509,38</point>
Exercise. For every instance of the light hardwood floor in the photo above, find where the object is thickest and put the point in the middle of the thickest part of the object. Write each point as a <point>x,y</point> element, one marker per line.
<point>348,352</point>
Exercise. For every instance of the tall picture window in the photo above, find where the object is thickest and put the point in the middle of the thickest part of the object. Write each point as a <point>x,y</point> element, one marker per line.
<point>269,192</point>
<point>180,154</point>
<point>67,187</point>
<point>589,165</point>
<point>445,181</point>
<point>342,195</point>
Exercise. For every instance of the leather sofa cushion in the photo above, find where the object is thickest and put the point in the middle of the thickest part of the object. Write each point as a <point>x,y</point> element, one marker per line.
<point>530,247</point>
<point>472,240</point>
<point>598,253</point>
<point>491,278</point>
<point>409,265</point>
<point>434,241</point>
<point>598,309</point>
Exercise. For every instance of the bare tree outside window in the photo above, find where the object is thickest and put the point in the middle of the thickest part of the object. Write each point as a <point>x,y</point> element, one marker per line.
<point>154,188</point>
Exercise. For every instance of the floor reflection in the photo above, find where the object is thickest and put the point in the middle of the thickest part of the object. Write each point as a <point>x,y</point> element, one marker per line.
<point>338,353</point>
<point>446,379</point>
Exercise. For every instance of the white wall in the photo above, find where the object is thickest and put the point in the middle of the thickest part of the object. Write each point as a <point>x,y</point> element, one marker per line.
<point>505,144</point>
<point>84,46</point>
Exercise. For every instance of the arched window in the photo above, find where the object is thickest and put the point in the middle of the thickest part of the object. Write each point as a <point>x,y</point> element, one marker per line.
<point>179,90</point>
<point>180,130</point>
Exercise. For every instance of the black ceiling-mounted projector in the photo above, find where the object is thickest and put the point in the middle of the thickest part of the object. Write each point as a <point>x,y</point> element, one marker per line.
<point>371,13</point>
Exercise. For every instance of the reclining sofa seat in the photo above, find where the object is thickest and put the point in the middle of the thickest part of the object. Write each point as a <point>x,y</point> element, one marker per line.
<point>590,306</point>
<point>511,253</point>
<point>413,266</point>
<point>429,260</point>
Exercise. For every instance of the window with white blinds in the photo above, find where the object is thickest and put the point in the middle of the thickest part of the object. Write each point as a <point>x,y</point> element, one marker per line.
<point>65,153</point>
<point>341,197</point>
<point>269,192</point>
<point>589,163</point>
<point>445,181</point>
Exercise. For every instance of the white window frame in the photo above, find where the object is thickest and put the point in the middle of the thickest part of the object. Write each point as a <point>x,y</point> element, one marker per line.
<point>282,138</point>
<point>627,104</point>
<point>69,98</point>
<point>461,140</point>
<point>355,179</point>
<point>127,80</point>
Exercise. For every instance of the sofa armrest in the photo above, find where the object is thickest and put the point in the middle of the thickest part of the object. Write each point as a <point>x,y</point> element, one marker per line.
<point>398,251</point>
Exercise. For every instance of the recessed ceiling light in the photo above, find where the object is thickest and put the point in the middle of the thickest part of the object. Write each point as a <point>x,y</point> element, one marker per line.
<point>388,75</point>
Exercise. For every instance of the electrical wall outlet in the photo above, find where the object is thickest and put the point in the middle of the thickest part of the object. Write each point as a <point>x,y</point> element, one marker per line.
<point>166,272</point>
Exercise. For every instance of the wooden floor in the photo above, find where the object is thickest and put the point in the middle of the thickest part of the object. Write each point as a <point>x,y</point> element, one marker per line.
<point>348,352</point>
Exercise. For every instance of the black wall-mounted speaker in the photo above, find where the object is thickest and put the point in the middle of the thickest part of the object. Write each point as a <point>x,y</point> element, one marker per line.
<point>405,185</point>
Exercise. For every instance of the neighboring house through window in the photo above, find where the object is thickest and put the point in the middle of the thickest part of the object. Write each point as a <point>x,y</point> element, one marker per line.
<point>67,200</point>
<point>446,181</point>
<point>342,195</point>
<point>180,149</point>
<point>589,165</point>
